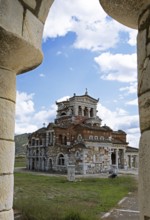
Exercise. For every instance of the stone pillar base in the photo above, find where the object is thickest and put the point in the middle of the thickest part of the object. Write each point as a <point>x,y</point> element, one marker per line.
<point>71,173</point>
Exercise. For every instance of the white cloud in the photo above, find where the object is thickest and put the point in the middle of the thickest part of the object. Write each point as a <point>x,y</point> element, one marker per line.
<point>24,105</point>
<point>119,67</point>
<point>24,112</point>
<point>133,137</point>
<point>27,119</point>
<point>132,102</point>
<point>42,75</point>
<point>131,89</point>
<point>132,37</point>
<point>95,36</point>
<point>88,21</point>
<point>21,128</point>
<point>120,119</point>
<point>65,98</point>
<point>45,116</point>
<point>59,53</point>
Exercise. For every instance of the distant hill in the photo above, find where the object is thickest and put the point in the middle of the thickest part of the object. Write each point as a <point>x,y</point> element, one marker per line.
<point>20,143</point>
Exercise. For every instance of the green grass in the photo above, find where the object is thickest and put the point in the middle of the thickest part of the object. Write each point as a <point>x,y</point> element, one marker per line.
<point>20,162</point>
<point>54,198</point>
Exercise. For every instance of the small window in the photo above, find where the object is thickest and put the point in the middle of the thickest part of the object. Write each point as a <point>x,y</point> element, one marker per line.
<point>33,142</point>
<point>91,137</point>
<point>60,139</point>
<point>79,137</point>
<point>65,140</point>
<point>49,137</point>
<point>86,112</point>
<point>63,113</point>
<point>77,154</point>
<point>102,138</point>
<point>79,110</point>
<point>96,137</point>
<point>61,160</point>
<point>91,112</point>
<point>110,138</point>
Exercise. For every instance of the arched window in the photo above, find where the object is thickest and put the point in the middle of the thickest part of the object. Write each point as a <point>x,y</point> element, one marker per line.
<point>91,137</point>
<point>50,167</point>
<point>49,137</point>
<point>77,154</point>
<point>60,139</point>
<point>86,112</point>
<point>101,138</point>
<point>65,140</point>
<point>61,160</point>
<point>79,110</point>
<point>91,112</point>
<point>33,142</point>
<point>96,138</point>
<point>79,137</point>
<point>63,113</point>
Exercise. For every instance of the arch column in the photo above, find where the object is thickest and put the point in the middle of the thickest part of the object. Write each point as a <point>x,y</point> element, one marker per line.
<point>7,145</point>
<point>21,28</point>
<point>143,42</point>
<point>136,14</point>
<point>88,112</point>
<point>82,111</point>
<point>117,158</point>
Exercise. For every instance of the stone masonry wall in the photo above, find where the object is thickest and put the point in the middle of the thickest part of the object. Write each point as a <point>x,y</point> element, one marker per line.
<point>143,42</point>
<point>21,27</point>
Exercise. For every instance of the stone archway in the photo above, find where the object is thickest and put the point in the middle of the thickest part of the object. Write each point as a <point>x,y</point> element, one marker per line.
<point>21,51</point>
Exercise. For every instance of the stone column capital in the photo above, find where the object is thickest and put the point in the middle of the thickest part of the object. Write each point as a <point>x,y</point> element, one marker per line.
<point>20,58</point>
<point>21,29</point>
<point>126,12</point>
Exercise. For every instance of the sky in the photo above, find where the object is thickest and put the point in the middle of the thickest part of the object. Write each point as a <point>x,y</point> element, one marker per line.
<point>83,48</point>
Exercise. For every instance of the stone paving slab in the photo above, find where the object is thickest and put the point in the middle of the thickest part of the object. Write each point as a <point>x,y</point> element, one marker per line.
<point>127,209</point>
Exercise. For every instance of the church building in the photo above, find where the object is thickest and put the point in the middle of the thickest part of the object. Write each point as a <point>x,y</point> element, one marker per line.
<point>78,138</point>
